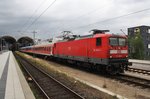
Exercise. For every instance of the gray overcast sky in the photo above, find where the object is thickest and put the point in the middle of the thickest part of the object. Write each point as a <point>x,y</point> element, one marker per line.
<point>70,15</point>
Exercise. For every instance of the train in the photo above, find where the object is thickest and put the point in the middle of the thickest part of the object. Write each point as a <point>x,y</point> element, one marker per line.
<point>105,52</point>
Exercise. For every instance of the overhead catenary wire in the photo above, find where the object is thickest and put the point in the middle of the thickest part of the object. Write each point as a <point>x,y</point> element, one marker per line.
<point>86,14</point>
<point>124,15</point>
<point>113,18</point>
<point>30,17</point>
<point>128,14</point>
<point>40,15</point>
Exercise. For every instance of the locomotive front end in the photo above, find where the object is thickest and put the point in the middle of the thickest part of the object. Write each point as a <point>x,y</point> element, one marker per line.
<point>118,54</point>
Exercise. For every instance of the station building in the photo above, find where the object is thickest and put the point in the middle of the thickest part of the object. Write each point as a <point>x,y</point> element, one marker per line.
<point>144,32</point>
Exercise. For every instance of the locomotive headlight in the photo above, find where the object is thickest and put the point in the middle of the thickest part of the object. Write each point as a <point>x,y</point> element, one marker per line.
<point>110,56</point>
<point>113,51</point>
<point>124,51</point>
<point>127,56</point>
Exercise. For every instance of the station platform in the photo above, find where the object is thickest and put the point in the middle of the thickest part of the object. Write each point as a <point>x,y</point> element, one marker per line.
<point>12,82</point>
<point>140,64</point>
<point>140,61</point>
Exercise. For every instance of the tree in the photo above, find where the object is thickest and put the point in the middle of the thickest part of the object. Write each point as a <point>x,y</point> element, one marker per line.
<point>137,46</point>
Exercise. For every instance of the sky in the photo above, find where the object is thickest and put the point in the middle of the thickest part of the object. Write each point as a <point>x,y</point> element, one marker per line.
<point>21,17</point>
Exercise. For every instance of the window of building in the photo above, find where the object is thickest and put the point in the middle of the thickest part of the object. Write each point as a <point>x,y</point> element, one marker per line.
<point>148,30</point>
<point>129,33</point>
<point>147,38</point>
<point>147,53</point>
<point>98,41</point>
<point>148,46</point>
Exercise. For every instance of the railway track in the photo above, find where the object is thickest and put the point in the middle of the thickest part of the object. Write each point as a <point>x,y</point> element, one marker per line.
<point>50,87</point>
<point>145,83</point>
<point>147,72</point>
<point>130,80</point>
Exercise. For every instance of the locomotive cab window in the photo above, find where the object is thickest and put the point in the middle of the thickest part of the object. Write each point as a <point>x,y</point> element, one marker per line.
<point>117,41</point>
<point>113,41</point>
<point>122,42</point>
<point>98,41</point>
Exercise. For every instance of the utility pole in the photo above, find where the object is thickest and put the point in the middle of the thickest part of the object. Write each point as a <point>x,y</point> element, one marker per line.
<point>1,44</point>
<point>34,32</point>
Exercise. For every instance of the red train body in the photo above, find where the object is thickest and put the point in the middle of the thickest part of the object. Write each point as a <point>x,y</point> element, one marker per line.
<point>107,52</point>
<point>38,49</point>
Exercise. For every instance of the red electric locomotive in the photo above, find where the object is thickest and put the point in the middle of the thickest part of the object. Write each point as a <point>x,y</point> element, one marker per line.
<point>107,52</point>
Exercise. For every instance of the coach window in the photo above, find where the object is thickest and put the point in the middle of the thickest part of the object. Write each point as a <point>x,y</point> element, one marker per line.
<point>98,41</point>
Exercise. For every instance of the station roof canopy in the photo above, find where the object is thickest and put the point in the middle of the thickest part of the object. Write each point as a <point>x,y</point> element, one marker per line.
<point>9,39</point>
<point>25,39</point>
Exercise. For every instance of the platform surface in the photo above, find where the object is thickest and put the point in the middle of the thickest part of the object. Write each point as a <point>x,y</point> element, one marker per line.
<point>140,61</point>
<point>12,82</point>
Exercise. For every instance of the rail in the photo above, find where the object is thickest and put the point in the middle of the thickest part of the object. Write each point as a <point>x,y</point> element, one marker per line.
<point>134,80</point>
<point>138,70</point>
<point>51,88</point>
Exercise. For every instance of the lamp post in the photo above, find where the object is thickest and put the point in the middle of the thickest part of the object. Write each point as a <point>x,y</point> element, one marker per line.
<point>34,32</point>
<point>1,43</point>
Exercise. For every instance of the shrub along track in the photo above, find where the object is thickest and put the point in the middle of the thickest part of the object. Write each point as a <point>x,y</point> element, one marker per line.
<point>51,88</point>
